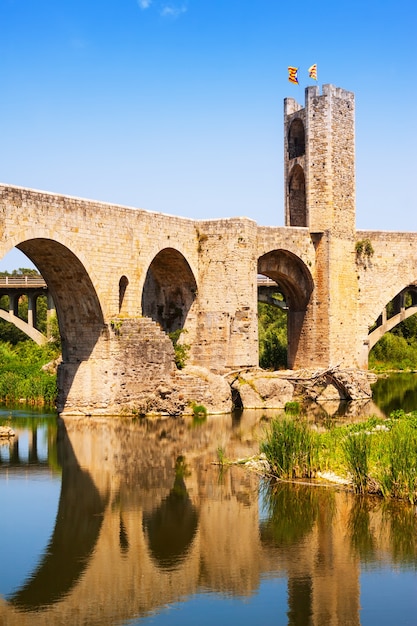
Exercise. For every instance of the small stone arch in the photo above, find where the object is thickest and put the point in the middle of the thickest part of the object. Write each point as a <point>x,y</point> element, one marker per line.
<point>123,283</point>
<point>297,202</point>
<point>169,290</point>
<point>296,284</point>
<point>296,139</point>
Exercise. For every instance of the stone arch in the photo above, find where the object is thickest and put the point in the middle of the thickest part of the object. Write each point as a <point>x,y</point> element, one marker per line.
<point>297,197</point>
<point>296,139</point>
<point>123,283</point>
<point>169,290</point>
<point>79,311</point>
<point>296,284</point>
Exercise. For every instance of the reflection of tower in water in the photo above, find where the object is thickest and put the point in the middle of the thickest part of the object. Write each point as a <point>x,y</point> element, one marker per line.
<point>171,527</point>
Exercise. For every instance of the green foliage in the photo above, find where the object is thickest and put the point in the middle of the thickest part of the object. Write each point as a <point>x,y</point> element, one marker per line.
<point>292,408</point>
<point>398,460</point>
<point>394,351</point>
<point>272,329</point>
<point>364,249</point>
<point>22,271</point>
<point>379,455</point>
<point>199,411</point>
<point>21,374</point>
<point>181,350</point>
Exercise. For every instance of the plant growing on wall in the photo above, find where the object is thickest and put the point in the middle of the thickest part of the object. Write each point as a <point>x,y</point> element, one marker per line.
<point>181,350</point>
<point>364,251</point>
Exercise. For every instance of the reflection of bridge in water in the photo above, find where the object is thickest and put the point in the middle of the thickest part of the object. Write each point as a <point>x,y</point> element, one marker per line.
<point>21,453</point>
<point>144,521</point>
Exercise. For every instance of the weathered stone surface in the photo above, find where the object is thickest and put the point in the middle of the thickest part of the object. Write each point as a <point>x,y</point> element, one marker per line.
<point>263,390</point>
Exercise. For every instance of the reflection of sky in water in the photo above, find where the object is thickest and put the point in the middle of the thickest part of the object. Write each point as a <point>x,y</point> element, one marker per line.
<point>383,590</point>
<point>267,606</point>
<point>29,505</point>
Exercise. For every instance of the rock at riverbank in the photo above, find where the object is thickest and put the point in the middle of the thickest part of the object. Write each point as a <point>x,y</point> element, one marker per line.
<point>257,389</point>
<point>6,433</point>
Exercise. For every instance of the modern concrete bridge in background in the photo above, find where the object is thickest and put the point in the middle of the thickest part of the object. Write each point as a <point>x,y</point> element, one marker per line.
<point>33,287</point>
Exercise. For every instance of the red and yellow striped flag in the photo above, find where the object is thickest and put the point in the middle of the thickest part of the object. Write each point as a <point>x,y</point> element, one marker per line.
<point>312,71</point>
<point>293,75</point>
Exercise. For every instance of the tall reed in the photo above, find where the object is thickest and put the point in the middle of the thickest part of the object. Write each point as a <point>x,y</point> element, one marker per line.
<point>399,474</point>
<point>357,448</point>
<point>290,448</point>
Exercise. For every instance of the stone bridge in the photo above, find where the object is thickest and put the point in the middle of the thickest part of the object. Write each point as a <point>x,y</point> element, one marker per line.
<point>123,278</point>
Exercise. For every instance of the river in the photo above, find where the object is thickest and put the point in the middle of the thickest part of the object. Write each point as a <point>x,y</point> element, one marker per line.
<point>114,522</point>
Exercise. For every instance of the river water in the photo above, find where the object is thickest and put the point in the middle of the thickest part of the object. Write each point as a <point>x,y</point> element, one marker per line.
<point>112,522</point>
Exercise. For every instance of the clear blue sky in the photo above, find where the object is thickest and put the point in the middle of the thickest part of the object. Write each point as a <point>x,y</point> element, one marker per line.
<point>177,106</point>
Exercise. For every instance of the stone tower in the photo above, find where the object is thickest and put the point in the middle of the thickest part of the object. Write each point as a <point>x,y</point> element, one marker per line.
<point>320,160</point>
<point>319,176</point>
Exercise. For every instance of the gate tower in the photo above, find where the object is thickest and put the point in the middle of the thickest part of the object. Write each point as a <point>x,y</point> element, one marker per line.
<point>319,178</point>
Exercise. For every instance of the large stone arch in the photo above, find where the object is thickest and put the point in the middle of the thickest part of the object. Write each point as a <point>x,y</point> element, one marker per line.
<point>80,315</point>
<point>169,290</point>
<point>295,282</point>
<point>79,311</point>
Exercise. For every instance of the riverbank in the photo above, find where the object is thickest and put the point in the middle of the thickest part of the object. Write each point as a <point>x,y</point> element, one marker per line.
<point>378,456</point>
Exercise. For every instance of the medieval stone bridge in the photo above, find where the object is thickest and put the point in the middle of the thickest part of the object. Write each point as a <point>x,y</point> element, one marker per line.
<point>123,278</point>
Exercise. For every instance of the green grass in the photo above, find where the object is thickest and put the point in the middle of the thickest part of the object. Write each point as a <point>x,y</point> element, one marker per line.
<point>378,456</point>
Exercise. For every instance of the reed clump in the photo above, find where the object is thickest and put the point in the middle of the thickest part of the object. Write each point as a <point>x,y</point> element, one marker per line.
<point>378,456</point>
<point>290,448</point>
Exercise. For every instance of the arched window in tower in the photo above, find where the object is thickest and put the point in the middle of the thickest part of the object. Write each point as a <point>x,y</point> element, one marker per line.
<point>297,197</point>
<point>296,139</point>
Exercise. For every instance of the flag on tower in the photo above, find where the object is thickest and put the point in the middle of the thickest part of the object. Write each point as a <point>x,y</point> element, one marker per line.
<point>312,71</point>
<point>293,74</point>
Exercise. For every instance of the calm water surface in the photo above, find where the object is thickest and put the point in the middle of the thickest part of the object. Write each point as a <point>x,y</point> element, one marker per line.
<point>111,522</point>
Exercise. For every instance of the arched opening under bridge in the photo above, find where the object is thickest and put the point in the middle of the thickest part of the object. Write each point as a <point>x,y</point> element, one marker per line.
<point>393,334</point>
<point>291,290</point>
<point>169,290</point>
